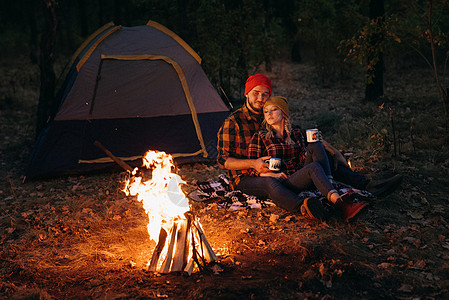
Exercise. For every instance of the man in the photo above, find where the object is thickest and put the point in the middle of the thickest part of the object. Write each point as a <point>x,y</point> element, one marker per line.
<point>233,140</point>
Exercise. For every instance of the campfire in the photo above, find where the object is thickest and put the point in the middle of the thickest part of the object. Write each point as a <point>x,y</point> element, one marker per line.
<point>181,244</point>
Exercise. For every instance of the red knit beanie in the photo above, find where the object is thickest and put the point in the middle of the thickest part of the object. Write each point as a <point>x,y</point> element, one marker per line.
<point>255,80</point>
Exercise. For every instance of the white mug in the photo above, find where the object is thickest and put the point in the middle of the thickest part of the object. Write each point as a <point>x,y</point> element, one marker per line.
<point>312,135</point>
<point>274,164</point>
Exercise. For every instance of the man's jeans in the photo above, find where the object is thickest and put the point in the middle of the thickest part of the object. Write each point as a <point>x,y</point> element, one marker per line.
<point>316,152</point>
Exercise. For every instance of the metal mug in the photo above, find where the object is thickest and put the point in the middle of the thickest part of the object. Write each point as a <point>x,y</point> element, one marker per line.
<point>274,164</point>
<point>312,135</point>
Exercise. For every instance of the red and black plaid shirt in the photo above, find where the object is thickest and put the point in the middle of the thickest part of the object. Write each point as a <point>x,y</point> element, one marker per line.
<point>234,137</point>
<point>292,156</point>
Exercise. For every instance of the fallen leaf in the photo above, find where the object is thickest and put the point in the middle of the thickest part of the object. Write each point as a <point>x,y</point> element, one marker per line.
<point>406,288</point>
<point>384,265</point>
<point>415,215</point>
<point>274,218</point>
<point>322,269</point>
<point>86,210</point>
<point>216,269</point>
<point>289,218</point>
<point>420,264</point>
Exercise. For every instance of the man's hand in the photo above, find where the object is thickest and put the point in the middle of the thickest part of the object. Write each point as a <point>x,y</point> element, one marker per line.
<point>260,165</point>
<point>339,159</point>
<point>280,176</point>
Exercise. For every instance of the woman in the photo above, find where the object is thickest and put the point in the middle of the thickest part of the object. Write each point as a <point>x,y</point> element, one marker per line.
<point>302,166</point>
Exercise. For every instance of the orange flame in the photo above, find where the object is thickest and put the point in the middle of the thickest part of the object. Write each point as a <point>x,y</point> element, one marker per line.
<point>161,196</point>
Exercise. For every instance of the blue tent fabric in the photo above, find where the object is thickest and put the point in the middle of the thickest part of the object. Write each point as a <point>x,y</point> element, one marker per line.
<point>133,89</point>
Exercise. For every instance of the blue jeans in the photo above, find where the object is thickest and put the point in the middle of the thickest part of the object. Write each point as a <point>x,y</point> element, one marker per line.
<point>316,152</point>
<point>348,176</point>
<point>285,193</point>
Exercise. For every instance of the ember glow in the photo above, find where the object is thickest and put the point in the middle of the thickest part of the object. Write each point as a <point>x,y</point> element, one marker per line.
<point>179,236</point>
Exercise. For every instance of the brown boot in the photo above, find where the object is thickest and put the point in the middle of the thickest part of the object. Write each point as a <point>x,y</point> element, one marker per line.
<point>351,209</point>
<point>313,209</point>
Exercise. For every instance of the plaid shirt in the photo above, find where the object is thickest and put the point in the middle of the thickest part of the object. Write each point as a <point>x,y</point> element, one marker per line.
<point>292,156</point>
<point>234,137</point>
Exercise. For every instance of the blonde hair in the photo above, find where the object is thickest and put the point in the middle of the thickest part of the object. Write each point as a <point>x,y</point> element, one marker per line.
<point>287,128</point>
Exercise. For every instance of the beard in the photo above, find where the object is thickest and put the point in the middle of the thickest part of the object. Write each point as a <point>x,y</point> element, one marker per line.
<point>255,109</point>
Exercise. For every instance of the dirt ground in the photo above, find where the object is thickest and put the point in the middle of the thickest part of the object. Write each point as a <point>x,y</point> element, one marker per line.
<point>80,237</point>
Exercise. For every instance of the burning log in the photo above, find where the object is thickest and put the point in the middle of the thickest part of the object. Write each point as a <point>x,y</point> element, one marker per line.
<point>206,249</point>
<point>157,251</point>
<point>181,241</point>
<point>165,268</point>
<point>186,246</point>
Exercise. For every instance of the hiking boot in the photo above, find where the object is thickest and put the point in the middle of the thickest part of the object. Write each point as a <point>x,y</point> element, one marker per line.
<point>312,208</point>
<point>384,187</point>
<point>350,209</point>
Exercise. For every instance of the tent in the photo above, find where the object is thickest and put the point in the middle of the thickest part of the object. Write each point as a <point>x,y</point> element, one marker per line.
<point>132,89</point>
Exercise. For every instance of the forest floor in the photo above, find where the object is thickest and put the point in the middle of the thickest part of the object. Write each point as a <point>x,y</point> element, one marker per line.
<point>81,237</point>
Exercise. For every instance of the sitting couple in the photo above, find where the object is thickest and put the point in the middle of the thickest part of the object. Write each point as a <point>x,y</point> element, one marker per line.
<point>247,139</point>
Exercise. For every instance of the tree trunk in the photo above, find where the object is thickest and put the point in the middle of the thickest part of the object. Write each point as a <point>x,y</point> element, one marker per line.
<point>46,60</point>
<point>374,88</point>
<point>443,92</point>
<point>32,23</point>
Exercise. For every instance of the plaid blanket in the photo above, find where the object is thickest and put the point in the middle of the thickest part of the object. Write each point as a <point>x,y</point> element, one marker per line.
<point>219,191</point>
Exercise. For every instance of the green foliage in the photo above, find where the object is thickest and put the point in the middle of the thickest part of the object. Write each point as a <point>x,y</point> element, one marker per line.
<point>236,37</point>
<point>410,29</point>
<point>401,30</point>
<point>366,46</point>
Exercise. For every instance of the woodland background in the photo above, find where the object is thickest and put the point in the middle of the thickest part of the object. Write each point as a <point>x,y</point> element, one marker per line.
<point>370,74</point>
<point>235,37</point>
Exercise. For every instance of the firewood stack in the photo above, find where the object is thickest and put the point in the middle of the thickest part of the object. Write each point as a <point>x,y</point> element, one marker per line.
<point>182,247</point>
